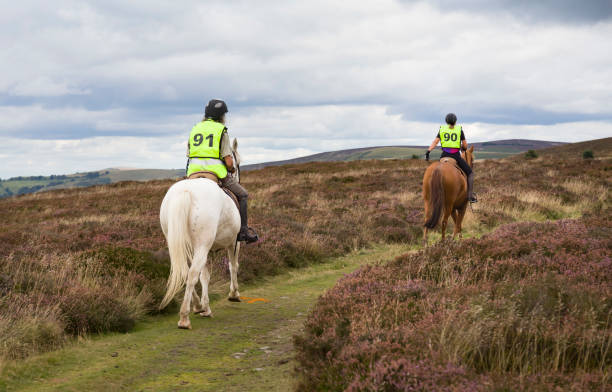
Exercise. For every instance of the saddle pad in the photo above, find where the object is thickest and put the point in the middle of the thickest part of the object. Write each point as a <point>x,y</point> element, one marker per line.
<point>204,174</point>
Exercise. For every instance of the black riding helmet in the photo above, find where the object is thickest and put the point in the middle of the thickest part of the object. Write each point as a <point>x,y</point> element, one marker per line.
<point>451,119</point>
<point>215,109</point>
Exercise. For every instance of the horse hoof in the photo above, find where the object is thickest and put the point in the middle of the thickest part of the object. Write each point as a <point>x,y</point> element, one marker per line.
<point>184,326</point>
<point>234,299</point>
<point>207,315</point>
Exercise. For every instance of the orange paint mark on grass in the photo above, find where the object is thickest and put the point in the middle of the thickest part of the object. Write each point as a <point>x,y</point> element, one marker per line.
<point>250,300</point>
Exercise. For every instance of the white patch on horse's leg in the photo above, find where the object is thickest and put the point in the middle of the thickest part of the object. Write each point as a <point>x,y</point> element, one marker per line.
<point>205,303</point>
<point>233,266</point>
<point>198,261</point>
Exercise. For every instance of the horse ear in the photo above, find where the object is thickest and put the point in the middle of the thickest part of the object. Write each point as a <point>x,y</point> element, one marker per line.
<point>471,148</point>
<point>235,144</point>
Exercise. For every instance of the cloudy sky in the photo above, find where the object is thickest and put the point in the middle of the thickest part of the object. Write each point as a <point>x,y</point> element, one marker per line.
<point>88,85</point>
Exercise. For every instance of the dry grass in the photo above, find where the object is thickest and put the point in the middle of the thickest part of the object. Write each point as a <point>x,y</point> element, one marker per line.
<point>528,307</point>
<point>76,243</point>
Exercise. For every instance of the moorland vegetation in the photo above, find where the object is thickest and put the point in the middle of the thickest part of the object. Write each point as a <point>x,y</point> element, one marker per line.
<point>23,185</point>
<point>79,261</point>
<point>527,306</point>
<point>87,260</point>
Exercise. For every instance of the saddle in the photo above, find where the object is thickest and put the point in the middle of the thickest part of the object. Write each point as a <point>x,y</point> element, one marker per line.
<point>213,177</point>
<point>453,162</point>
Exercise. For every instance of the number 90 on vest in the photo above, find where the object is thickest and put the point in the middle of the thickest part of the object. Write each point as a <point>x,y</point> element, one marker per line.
<point>450,136</point>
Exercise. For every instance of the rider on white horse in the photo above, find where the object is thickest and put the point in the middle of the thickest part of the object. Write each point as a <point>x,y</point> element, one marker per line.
<point>209,150</point>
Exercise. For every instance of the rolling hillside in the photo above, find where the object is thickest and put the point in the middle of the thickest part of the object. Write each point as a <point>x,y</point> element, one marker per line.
<point>91,260</point>
<point>487,150</point>
<point>25,185</point>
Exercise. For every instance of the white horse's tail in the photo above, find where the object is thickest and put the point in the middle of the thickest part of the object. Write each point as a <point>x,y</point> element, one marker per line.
<point>179,244</point>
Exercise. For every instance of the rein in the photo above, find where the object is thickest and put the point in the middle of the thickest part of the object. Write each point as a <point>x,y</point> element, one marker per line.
<point>238,172</point>
<point>237,165</point>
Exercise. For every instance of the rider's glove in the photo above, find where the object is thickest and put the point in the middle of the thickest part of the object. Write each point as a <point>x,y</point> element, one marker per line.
<point>427,155</point>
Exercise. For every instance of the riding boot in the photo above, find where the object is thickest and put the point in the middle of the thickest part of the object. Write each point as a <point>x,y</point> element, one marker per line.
<point>470,190</point>
<point>246,233</point>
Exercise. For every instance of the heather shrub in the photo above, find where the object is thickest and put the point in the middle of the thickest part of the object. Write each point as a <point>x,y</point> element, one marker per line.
<point>536,327</point>
<point>301,253</point>
<point>527,307</point>
<point>85,310</point>
<point>53,243</point>
<point>129,259</point>
<point>531,154</point>
<point>400,374</point>
<point>30,335</point>
<point>148,270</point>
<point>588,154</point>
<point>27,328</point>
<point>45,300</point>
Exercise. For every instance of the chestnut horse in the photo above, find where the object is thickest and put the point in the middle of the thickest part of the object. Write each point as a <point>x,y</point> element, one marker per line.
<point>445,194</point>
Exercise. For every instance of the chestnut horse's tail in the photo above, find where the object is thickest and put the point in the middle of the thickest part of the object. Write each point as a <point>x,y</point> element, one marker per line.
<point>436,198</point>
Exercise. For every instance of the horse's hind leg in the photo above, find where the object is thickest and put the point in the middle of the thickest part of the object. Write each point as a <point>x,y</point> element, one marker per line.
<point>459,221</point>
<point>445,222</point>
<point>457,228</point>
<point>205,304</point>
<point>197,263</point>
<point>195,300</point>
<point>232,254</point>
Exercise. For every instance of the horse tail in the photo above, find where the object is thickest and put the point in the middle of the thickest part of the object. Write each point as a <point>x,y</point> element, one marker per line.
<point>436,199</point>
<point>179,244</point>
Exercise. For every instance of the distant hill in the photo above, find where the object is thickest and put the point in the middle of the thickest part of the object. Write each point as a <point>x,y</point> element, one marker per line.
<point>486,150</point>
<point>23,185</point>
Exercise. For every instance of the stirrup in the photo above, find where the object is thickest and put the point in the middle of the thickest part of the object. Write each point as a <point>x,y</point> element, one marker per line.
<point>247,234</point>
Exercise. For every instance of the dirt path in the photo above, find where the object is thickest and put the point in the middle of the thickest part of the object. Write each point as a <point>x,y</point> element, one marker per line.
<point>244,347</point>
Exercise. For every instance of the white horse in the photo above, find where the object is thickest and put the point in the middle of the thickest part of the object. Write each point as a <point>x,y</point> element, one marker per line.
<point>198,217</point>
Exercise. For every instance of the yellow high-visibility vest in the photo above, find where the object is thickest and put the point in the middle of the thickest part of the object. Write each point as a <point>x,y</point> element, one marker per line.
<point>205,148</point>
<point>450,138</point>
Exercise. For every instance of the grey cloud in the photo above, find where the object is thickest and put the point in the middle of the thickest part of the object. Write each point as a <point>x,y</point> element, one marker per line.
<point>157,63</point>
<point>572,11</point>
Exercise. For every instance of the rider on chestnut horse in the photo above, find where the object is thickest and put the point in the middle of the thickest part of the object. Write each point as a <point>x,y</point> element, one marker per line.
<point>452,138</point>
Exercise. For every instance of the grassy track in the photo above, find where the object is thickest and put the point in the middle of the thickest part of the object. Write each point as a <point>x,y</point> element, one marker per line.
<point>244,347</point>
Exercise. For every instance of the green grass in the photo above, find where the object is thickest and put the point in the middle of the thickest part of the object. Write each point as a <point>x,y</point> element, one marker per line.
<point>14,185</point>
<point>156,356</point>
<point>82,179</point>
